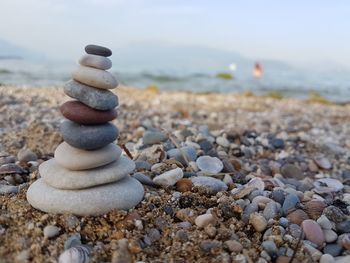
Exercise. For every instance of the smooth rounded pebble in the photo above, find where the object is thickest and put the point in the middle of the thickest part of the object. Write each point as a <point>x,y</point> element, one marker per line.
<point>124,194</point>
<point>51,231</point>
<point>74,159</point>
<point>258,222</point>
<point>95,61</point>
<point>313,232</point>
<point>88,137</point>
<point>98,99</point>
<point>98,50</point>
<point>62,178</point>
<point>208,164</point>
<point>204,220</point>
<point>95,77</point>
<point>212,184</point>
<point>153,137</point>
<point>169,178</point>
<point>82,114</point>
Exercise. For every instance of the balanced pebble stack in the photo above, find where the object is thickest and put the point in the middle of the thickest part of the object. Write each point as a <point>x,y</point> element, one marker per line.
<point>88,175</point>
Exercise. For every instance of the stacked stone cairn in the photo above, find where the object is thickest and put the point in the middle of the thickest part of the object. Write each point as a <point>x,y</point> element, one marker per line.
<point>88,174</point>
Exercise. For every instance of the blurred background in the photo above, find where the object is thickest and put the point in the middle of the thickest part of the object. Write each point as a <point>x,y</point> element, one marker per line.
<point>269,47</point>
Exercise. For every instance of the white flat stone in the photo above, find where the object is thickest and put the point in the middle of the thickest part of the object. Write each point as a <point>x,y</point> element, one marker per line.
<point>124,194</point>
<point>76,159</point>
<point>95,77</point>
<point>62,178</point>
<point>95,61</point>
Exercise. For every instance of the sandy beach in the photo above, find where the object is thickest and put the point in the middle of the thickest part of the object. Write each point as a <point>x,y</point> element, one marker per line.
<point>254,137</point>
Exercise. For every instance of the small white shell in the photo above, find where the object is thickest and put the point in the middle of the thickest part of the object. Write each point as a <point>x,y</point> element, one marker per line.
<point>78,254</point>
<point>328,185</point>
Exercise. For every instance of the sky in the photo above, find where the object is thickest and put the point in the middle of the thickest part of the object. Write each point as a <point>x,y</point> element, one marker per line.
<point>298,31</point>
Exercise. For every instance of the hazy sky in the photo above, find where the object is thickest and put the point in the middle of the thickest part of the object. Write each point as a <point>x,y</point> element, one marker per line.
<point>295,31</point>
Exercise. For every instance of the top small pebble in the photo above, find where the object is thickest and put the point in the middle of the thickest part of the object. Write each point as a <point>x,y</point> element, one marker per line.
<point>98,50</point>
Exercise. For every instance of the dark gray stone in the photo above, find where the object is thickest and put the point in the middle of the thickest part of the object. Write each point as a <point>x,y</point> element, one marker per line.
<point>291,171</point>
<point>278,196</point>
<point>277,143</point>
<point>333,249</point>
<point>343,227</point>
<point>99,99</point>
<point>88,137</point>
<point>98,50</point>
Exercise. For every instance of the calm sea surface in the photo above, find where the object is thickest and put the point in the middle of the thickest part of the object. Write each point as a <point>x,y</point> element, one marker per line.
<point>334,86</point>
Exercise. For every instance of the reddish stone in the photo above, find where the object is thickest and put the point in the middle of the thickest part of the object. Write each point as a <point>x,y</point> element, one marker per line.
<point>80,113</point>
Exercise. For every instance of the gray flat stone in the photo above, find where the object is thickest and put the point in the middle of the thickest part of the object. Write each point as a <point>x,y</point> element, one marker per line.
<point>88,137</point>
<point>75,159</point>
<point>95,77</point>
<point>95,61</point>
<point>62,178</point>
<point>98,99</point>
<point>124,194</point>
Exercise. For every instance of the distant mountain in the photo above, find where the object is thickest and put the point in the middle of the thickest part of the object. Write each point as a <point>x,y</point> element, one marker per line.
<point>12,51</point>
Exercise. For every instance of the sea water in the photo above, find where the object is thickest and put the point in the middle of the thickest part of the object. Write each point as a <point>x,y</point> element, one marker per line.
<point>290,82</point>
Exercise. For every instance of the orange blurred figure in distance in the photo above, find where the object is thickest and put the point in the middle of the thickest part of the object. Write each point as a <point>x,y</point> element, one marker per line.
<point>258,71</point>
